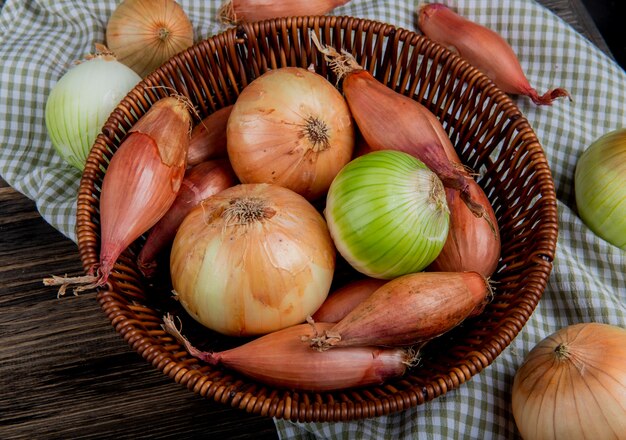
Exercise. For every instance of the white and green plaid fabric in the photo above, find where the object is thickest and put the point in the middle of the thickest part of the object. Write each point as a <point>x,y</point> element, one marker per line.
<point>40,39</point>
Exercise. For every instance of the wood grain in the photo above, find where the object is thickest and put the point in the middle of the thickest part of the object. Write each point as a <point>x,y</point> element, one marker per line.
<point>65,373</point>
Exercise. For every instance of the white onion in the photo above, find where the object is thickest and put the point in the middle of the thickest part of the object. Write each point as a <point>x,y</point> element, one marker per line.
<point>387,214</point>
<point>80,103</point>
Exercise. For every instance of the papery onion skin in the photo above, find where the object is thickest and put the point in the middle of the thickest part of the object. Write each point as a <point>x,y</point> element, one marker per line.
<point>290,127</point>
<point>258,272</point>
<point>146,33</point>
<point>409,310</point>
<point>387,214</point>
<point>80,103</point>
<point>237,11</point>
<point>599,187</point>
<point>572,385</point>
<point>284,359</point>
<point>472,244</point>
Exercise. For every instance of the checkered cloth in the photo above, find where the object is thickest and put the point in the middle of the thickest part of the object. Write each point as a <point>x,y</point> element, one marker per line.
<point>41,39</point>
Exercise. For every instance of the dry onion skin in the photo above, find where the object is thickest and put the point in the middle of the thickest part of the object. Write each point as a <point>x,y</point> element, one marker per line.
<point>144,34</point>
<point>572,385</point>
<point>237,11</point>
<point>292,128</point>
<point>252,259</point>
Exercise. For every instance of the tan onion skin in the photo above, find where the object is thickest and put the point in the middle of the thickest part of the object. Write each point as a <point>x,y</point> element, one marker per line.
<point>341,301</point>
<point>250,278</point>
<point>208,138</point>
<point>483,48</point>
<point>201,181</point>
<point>143,178</point>
<point>409,310</point>
<point>254,10</point>
<point>144,34</point>
<point>267,140</point>
<point>572,385</point>
<point>284,359</point>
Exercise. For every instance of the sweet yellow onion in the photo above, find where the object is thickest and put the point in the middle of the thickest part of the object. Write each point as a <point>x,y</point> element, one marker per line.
<point>290,127</point>
<point>252,259</point>
<point>572,385</point>
<point>144,34</point>
<point>599,187</point>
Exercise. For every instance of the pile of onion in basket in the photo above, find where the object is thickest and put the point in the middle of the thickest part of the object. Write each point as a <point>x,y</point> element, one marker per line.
<point>277,190</point>
<point>258,205</point>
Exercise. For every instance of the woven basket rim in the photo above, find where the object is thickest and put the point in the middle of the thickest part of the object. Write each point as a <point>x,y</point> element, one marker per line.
<point>302,405</point>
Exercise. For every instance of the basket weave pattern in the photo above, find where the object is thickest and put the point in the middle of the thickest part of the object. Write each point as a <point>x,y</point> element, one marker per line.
<point>490,134</point>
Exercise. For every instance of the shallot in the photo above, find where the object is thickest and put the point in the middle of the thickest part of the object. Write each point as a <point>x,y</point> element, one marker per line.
<point>140,184</point>
<point>409,310</point>
<point>472,244</point>
<point>482,47</point>
<point>284,359</point>
<point>236,11</point>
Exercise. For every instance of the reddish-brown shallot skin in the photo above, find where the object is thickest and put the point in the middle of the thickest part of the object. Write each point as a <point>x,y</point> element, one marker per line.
<point>482,47</point>
<point>208,138</point>
<point>472,244</point>
<point>237,11</point>
<point>409,310</point>
<point>340,302</point>
<point>285,360</point>
<point>143,178</point>
<point>201,181</point>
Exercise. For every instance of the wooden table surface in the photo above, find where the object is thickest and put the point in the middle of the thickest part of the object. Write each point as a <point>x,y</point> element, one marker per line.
<point>65,373</point>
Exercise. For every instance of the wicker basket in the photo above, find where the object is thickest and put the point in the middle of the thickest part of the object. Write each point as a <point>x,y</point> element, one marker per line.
<point>490,134</point>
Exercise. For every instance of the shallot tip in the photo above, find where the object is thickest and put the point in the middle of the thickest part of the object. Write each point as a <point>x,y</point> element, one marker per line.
<point>548,97</point>
<point>340,63</point>
<point>170,327</point>
<point>80,283</point>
